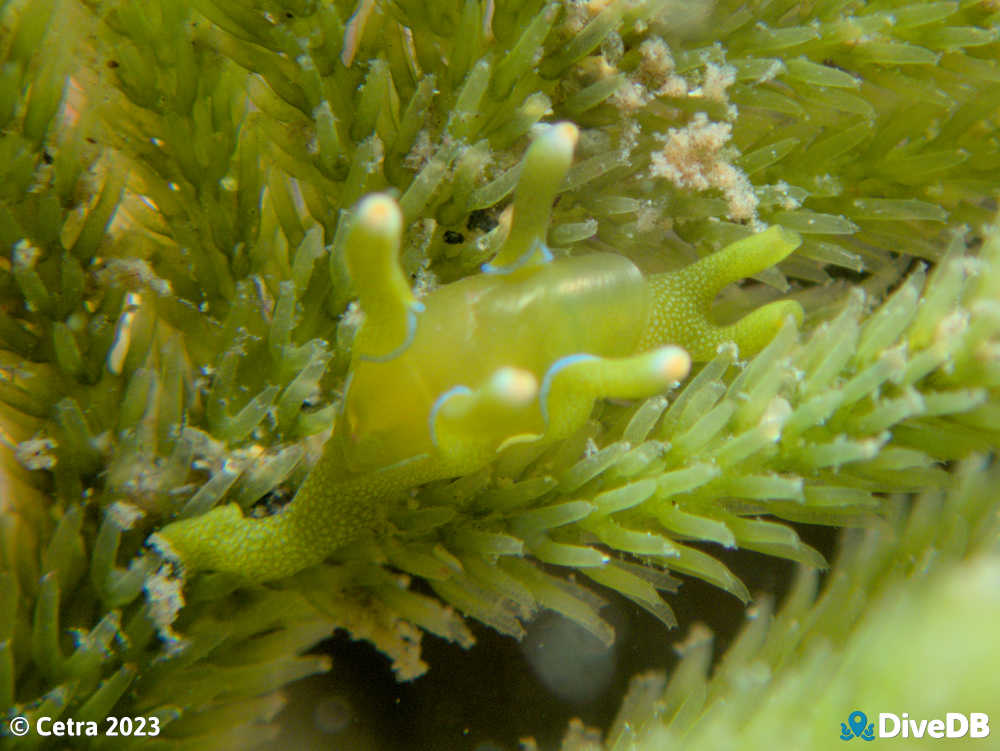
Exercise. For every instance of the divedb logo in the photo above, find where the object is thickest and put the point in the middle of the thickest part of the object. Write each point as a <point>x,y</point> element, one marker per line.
<point>953,725</point>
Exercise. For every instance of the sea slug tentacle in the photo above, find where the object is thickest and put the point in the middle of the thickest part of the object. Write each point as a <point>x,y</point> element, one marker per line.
<point>573,384</point>
<point>438,387</point>
<point>544,167</point>
<point>389,304</point>
<point>682,299</point>
<point>457,418</point>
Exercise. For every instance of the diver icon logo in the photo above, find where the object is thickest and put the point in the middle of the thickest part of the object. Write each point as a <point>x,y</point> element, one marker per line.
<point>857,727</point>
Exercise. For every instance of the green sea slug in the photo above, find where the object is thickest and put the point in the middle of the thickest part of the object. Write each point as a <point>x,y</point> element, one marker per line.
<point>439,386</point>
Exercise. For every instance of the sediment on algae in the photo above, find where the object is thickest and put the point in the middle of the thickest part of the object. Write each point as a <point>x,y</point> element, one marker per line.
<point>176,323</point>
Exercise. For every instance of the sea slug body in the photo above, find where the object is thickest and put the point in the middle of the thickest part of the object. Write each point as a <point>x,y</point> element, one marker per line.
<point>438,387</point>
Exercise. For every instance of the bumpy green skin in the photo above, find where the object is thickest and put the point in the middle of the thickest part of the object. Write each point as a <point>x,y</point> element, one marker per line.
<point>518,354</point>
<point>682,299</point>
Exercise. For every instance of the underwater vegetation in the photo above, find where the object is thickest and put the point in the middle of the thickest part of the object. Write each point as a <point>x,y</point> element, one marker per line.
<point>388,316</point>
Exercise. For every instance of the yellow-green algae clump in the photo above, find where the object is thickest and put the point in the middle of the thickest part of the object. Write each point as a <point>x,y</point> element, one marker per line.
<point>177,327</point>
